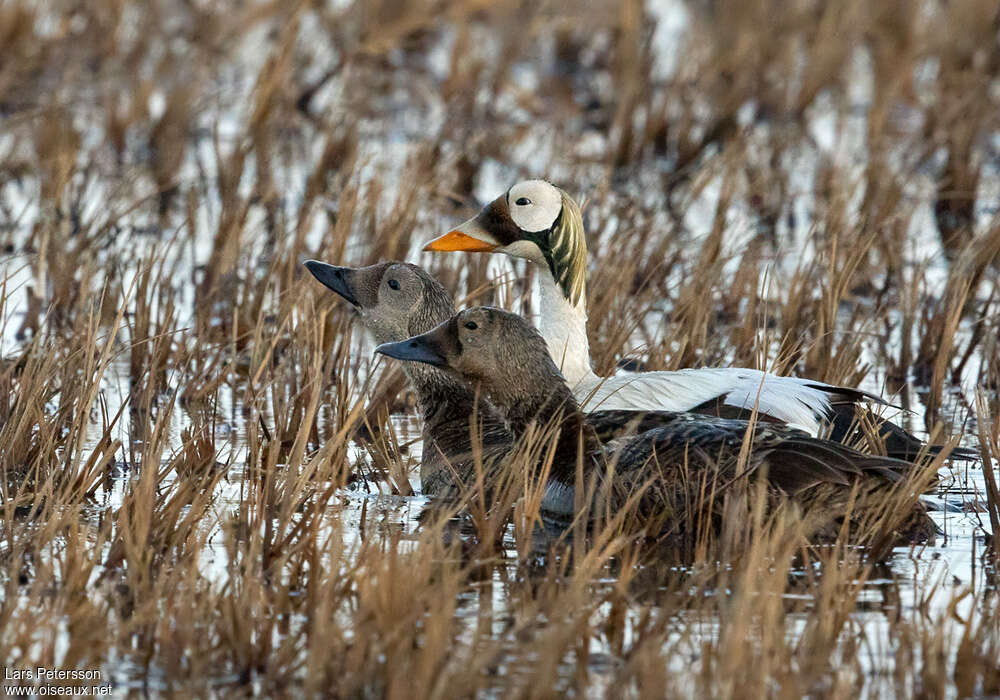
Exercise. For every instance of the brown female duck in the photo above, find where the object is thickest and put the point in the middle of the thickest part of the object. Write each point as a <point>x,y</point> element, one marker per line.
<point>669,465</point>
<point>397,300</point>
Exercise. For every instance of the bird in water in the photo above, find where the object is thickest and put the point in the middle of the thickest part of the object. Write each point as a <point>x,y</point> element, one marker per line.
<point>661,473</point>
<point>542,224</point>
<point>396,300</point>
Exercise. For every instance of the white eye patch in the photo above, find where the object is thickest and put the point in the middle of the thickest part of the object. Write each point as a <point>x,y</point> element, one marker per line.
<point>534,205</point>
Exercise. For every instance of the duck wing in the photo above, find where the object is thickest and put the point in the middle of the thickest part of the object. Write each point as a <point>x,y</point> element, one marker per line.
<point>683,441</point>
<point>794,459</point>
<point>846,424</point>
<point>815,407</point>
<point>799,463</point>
<point>614,424</point>
<point>725,391</point>
<point>687,426</point>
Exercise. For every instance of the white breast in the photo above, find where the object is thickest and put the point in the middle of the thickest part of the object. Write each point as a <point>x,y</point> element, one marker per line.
<point>564,328</point>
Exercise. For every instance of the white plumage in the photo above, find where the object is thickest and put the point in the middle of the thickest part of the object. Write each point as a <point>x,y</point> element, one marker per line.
<point>801,403</point>
<point>797,402</point>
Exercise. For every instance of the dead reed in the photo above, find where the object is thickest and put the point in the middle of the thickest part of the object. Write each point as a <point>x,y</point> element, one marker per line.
<point>205,476</point>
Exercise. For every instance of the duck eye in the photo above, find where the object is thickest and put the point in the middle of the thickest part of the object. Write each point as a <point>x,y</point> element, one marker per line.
<point>472,325</point>
<point>393,284</point>
<point>522,201</point>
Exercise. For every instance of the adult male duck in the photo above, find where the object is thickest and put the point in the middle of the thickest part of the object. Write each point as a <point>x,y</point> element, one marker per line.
<point>539,222</point>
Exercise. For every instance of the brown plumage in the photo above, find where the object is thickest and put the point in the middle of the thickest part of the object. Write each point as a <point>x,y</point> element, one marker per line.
<point>673,458</point>
<point>396,300</point>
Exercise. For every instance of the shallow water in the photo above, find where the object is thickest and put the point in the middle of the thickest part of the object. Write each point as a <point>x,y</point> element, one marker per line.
<point>922,579</point>
<point>917,579</point>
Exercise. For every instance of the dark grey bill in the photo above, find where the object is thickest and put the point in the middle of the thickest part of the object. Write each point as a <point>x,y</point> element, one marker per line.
<point>333,277</point>
<point>417,349</point>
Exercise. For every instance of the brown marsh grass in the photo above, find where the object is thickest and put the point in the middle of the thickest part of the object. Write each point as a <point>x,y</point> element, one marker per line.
<point>206,478</point>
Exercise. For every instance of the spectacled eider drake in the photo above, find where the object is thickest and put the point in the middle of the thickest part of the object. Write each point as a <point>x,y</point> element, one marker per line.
<point>396,300</point>
<point>539,222</point>
<point>671,467</point>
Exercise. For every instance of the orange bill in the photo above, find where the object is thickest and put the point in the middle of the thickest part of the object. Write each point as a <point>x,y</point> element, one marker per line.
<point>458,241</point>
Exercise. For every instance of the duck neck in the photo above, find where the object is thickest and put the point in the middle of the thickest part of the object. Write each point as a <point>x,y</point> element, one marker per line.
<point>444,400</point>
<point>551,405</point>
<point>563,325</point>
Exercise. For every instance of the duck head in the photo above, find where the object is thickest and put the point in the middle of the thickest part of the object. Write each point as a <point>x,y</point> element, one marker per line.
<point>396,300</point>
<point>534,220</point>
<point>488,346</point>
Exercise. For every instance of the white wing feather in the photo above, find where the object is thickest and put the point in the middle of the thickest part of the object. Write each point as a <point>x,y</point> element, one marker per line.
<point>798,402</point>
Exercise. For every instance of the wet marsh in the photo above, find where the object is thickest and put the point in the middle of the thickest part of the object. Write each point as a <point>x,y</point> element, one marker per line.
<point>208,478</point>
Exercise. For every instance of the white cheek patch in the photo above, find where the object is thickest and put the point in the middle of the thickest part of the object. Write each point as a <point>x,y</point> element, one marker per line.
<point>543,209</point>
<point>532,218</point>
<point>528,250</point>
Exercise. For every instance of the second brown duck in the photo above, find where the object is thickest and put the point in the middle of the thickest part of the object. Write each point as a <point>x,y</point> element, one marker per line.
<point>669,465</point>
